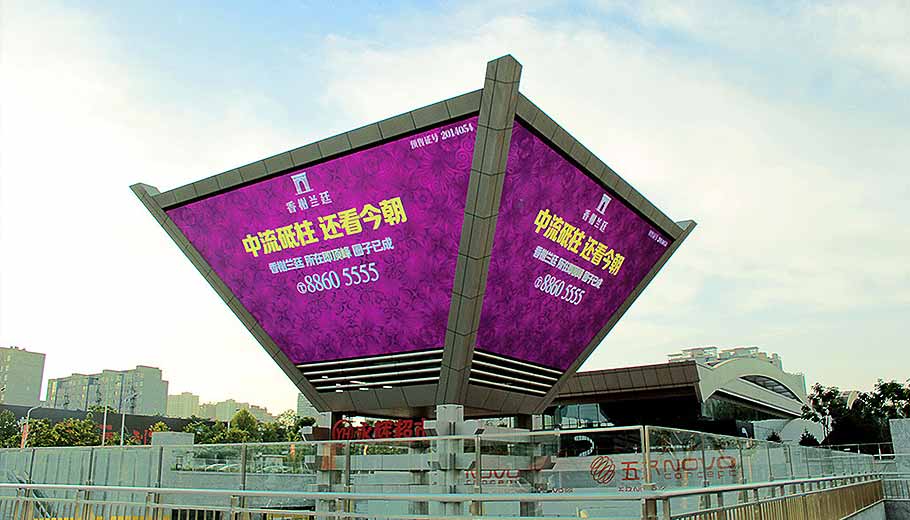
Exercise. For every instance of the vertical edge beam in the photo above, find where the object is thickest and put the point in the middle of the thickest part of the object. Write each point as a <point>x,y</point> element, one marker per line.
<point>686,226</point>
<point>146,195</point>
<point>498,103</point>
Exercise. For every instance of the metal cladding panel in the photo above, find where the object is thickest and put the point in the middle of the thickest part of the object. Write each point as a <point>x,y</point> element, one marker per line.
<point>349,258</point>
<point>567,254</point>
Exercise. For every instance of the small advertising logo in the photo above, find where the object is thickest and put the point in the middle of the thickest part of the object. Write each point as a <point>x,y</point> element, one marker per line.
<point>301,184</point>
<point>603,469</point>
<point>604,202</point>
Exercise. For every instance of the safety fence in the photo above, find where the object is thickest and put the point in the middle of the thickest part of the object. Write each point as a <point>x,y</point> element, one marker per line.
<point>806,499</point>
<point>629,464</point>
<point>810,499</point>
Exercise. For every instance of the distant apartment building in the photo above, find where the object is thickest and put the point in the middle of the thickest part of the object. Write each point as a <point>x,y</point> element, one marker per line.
<point>183,405</point>
<point>261,413</point>
<point>225,410</point>
<point>712,355</point>
<point>21,373</point>
<point>140,391</point>
<point>305,408</point>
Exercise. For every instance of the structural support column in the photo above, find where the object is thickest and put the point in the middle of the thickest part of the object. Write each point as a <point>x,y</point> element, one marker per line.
<point>328,458</point>
<point>488,166</point>
<point>450,464</point>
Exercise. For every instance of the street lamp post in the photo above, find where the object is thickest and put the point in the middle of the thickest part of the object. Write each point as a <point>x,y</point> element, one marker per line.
<point>104,426</point>
<point>123,417</point>
<point>28,417</point>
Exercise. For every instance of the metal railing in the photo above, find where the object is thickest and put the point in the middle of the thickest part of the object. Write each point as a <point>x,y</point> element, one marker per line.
<point>806,499</point>
<point>869,448</point>
<point>897,487</point>
<point>538,474</point>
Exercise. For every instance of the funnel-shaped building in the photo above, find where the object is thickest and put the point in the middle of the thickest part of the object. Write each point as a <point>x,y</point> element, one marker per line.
<point>469,252</point>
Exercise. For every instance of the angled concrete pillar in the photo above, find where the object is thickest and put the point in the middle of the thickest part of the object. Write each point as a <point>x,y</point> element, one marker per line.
<point>498,103</point>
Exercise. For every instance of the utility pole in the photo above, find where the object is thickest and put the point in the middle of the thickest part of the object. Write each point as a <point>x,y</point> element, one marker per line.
<point>28,417</point>
<point>123,414</point>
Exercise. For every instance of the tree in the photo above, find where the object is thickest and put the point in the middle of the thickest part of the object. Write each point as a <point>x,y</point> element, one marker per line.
<point>204,432</point>
<point>807,439</point>
<point>159,427</point>
<point>888,400</point>
<point>10,434</point>
<point>826,404</point>
<point>287,418</point>
<point>865,420</point>
<point>39,433</point>
<point>244,420</point>
<point>75,432</point>
<point>774,437</point>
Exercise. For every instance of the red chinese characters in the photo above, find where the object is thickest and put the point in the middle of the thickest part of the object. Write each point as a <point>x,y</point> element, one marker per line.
<point>343,430</point>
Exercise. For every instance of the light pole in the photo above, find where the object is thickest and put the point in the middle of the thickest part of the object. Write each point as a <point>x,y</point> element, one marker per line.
<point>28,417</point>
<point>104,426</point>
<point>123,416</point>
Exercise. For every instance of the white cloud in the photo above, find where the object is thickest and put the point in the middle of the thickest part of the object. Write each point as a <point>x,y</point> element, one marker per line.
<point>794,200</point>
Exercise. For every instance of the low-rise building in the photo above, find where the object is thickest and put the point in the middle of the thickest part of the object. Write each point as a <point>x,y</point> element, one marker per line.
<point>703,393</point>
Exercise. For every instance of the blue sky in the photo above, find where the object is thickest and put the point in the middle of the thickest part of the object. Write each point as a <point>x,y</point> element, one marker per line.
<point>780,127</point>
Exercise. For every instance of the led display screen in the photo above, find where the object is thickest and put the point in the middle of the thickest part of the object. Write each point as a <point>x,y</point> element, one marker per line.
<point>348,258</point>
<point>566,255</point>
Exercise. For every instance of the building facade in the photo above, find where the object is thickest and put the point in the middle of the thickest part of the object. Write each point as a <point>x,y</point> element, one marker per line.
<point>21,374</point>
<point>140,391</point>
<point>720,396</point>
<point>185,404</point>
<point>714,355</point>
<point>305,408</point>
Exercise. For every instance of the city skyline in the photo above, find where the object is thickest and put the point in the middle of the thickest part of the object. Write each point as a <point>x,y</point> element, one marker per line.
<point>788,161</point>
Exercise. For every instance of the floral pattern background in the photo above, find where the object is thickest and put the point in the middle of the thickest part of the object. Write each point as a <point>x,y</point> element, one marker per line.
<point>522,322</point>
<point>406,309</point>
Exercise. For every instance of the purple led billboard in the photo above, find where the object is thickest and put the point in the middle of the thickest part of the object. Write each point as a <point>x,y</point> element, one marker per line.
<point>348,258</point>
<point>566,255</point>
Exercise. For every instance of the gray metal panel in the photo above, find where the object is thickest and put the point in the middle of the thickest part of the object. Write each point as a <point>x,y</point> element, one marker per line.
<point>278,163</point>
<point>587,383</point>
<point>306,154</point>
<point>419,396</point>
<point>496,116</point>
<point>611,382</point>
<point>664,378</point>
<point>464,104</point>
<point>146,195</point>
<point>365,135</point>
<point>390,398</point>
<point>625,380</point>
<point>687,227</point>
<point>334,145</point>
<point>431,114</point>
<point>650,378</point>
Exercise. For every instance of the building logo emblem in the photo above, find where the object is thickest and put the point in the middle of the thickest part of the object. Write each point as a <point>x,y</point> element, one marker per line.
<point>604,202</point>
<point>603,469</point>
<point>301,184</point>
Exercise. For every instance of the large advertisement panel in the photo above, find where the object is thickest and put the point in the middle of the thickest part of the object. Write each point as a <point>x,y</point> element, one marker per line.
<point>348,258</point>
<point>566,255</point>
